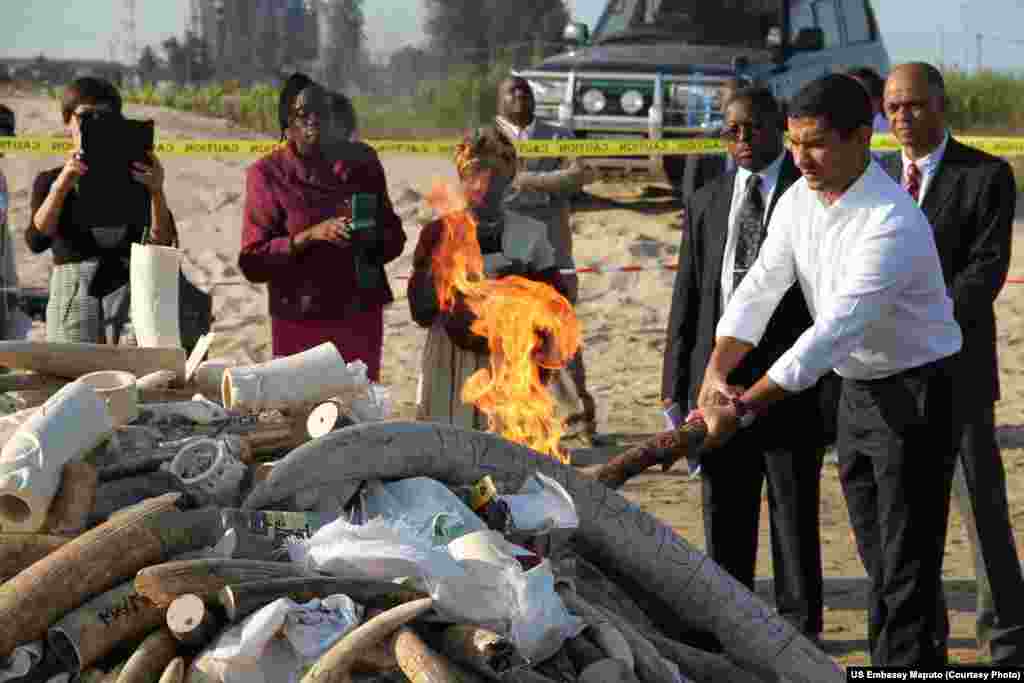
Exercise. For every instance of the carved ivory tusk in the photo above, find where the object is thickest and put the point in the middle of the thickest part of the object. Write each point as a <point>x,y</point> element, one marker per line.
<point>72,423</point>
<point>154,299</point>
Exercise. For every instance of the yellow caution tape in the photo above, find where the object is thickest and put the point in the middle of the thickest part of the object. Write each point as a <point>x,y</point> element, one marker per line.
<point>618,147</point>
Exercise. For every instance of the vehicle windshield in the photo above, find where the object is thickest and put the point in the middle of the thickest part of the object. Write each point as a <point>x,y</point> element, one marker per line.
<point>739,23</point>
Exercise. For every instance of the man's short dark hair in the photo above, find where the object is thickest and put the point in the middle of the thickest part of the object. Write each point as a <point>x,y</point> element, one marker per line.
<point>89,90</point>
<point>761,101</point>
<point>838,99</point>
<point>870,79</point>
<point>6,120</point>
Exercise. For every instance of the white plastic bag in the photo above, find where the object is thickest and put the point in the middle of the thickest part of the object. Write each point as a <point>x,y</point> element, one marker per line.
<point>319,624</point>
<point>540,624</point>
<point>525,607</point>
<point>475,579</point>
<point>251,652</point>
<point>381,549</point>
<point>417,502</point>
<point>541,505</point>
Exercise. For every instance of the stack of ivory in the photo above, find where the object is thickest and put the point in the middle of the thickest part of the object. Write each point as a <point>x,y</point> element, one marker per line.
<point>120,583</point>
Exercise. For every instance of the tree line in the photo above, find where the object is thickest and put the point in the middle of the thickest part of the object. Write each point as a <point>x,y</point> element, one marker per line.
<point>475,35</point>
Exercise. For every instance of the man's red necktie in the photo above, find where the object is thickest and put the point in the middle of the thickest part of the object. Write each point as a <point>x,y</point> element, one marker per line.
<point>912,180</point>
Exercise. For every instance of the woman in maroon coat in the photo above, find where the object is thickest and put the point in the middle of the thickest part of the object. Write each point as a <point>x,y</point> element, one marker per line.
<point>325,279</point>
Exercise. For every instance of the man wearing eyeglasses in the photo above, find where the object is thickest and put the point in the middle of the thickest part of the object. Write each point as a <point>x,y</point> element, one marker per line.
<point>970,199</point>
<point>728,220</point>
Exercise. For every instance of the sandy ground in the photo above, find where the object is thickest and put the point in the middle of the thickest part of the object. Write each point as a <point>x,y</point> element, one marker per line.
<point>623,317</point>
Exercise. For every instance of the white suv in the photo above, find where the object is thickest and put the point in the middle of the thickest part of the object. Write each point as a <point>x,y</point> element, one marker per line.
<point>653,67</point>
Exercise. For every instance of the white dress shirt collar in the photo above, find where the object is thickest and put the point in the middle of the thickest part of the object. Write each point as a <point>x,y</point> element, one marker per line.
<point>880,124</point>
<point>928,165</point>
<point>769,177</point>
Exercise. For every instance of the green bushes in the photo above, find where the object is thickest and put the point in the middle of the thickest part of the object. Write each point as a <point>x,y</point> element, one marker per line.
<point>986,102</point>
<point>465,97</point>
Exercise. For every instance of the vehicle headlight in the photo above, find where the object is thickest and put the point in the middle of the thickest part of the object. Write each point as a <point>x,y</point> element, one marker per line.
<point>594,101</point>
<point>632,101</point>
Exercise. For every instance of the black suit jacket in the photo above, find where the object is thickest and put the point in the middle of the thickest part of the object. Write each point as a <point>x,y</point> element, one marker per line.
<point>696,310</point>
<point>970,203</point>
<point>699,170</point>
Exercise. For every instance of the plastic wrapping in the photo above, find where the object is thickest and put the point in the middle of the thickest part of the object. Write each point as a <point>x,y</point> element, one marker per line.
<point>251,652</point>
<point>480,582</point>
<point>424,504</point>
<point>541,505</point>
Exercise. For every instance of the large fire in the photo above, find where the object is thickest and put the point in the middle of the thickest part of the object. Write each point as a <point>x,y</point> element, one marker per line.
<point>528,326</point>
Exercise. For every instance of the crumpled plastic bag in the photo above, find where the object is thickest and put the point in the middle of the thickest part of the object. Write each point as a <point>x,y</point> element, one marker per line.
<point>542,624</point>
<point>382,549</point>
<point>499,595</point>
<point>252,652</point>
<point>424,504</point>
<point>541,505</point>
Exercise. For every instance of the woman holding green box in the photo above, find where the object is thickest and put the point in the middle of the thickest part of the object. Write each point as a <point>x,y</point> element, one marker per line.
<point>324,271</point>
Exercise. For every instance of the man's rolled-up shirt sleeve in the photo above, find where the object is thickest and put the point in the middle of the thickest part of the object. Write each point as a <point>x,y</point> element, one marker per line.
<point>876,274</point>
<point>752,304</point>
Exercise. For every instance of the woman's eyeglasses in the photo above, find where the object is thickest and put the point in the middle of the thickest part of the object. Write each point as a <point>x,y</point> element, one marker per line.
<point>91,113</point>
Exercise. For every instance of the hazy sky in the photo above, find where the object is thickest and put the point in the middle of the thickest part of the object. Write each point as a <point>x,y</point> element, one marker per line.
<point>85,28</point>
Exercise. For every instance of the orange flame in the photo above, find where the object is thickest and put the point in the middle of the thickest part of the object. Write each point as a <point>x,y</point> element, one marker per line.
<point>528,325</point>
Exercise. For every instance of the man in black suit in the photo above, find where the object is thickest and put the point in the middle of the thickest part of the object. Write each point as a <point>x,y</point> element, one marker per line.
<point>969,198</point>
<point>726,220</point>
<point>700,169</point>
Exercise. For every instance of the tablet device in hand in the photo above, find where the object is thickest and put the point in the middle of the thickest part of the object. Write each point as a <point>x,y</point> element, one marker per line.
<point>111,144</point>
<point>108,195</point>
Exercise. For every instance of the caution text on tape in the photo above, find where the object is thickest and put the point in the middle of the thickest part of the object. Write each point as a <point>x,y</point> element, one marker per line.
<point>1000,146</point>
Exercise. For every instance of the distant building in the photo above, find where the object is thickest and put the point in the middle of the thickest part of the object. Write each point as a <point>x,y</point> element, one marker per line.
<point>253,40</point>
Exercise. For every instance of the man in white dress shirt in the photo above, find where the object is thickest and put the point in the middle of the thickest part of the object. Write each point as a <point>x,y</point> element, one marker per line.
<point>865,258</point>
